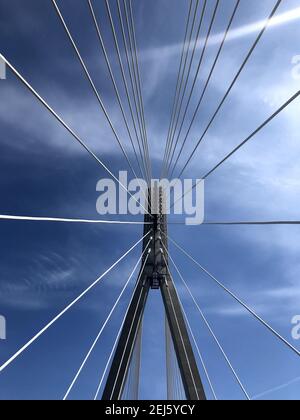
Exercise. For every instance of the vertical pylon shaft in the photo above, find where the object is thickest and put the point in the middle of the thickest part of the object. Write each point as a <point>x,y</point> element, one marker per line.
<point>155,274</point>
<point>185,356</point>
<point>121,362</point>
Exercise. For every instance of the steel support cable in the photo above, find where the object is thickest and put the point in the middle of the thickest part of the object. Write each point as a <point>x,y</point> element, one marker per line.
<point>206,85</point>
<point>188,46</point>
<point>131,77</point>
<point>194,83</point>
<point>132,373</point>
<point>170,382</point>
<point>181,391</point>
<point>175,374</point>
<point>181,337</point>
<point>238,300</point>
<point>131,389</point>
<point>97,27</point>
<point>100,37</point>
<point>61,121</point>
<point>199,353</point>
<point>139,81</point>
<point>54,320</point>
<point>172,366</point>
<point>243,223</point>
<point>255,132</point>
<point>236,376</point>
<point>182,79</point>
<point>139,362</point>
<point>145,141</point>
<point>136,360</point>
<point>232,84</point>
<point>197,39</point>
<point>60,220</point>
<point>282,108</point>
<point>128,337</point>
<point>109,360</point>
<point>116,43</point>
<point>252,223</point>
<point>176,387</point>
<point>120,330</point>
<point>130,354</point>
<point>93,85</point>
<point>95,342</point>
<point>177,379</point>
<point>178,79</point>
<point>196,345</point>
<point>177,394</point>
<point>126,390</point>
<point>135,85</point>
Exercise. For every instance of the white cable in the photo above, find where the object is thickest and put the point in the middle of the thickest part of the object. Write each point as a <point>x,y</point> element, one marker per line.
<point>180,333</point>
<point>103,327</point>
<point>199,352</point>
<point>60,220</point>
<point>209,328</point>
<point>196,344</point>
<point>119,333</point>
<point>30,342</point>
<point>237,299</point>
<point>92,84</point>
<point>68,128</point>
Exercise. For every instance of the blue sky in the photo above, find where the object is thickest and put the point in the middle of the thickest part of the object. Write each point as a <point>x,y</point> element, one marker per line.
<point>43,172</point>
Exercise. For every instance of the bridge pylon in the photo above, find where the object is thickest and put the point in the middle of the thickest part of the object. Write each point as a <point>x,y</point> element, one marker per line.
<point>155,275</point>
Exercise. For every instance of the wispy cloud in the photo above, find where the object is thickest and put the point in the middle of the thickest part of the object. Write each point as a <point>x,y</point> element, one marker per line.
<point>276,389</point>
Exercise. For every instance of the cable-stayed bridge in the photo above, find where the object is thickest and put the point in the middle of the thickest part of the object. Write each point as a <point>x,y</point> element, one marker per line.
<point>188,377</point>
